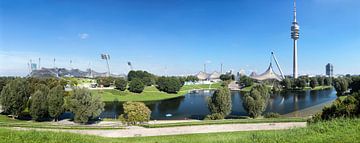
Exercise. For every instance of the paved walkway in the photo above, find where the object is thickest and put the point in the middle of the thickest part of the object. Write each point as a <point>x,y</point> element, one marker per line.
<point>136,131</point>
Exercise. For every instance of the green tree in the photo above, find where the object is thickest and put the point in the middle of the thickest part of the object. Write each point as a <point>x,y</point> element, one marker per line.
<point>105,81</point>
<point>355,84</point>
<point>84,105</point>
<point>320,80</point>
<point>56,102</point>
<point>313,83</point>
<point>327,81</point>
<point>135,113</point>
<point>121,84</point>
<point>136,86</point>
<point>256,100</point>
<point>286,83</point>
<point>14,97</point>
<point>341,85</point>
<point>191,78</point>
<point>39,108</point>
<point>300,83</point>
<point>246,81</point>
<point>168,84</point>
<point>220,103</point>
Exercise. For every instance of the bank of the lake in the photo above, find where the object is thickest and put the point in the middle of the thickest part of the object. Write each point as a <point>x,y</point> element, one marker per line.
<point>150,93</point>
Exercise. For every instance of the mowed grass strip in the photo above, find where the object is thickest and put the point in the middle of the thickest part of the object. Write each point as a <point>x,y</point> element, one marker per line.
<point>339,130</point>
<point>150,93</point>
<point>226,121</point>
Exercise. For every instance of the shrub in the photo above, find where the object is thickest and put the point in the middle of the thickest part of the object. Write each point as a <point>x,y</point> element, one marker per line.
<point>256,100</point>
<point>105,81</point>
<point>135,113</point>
<point>168,84</point>
<point>84,105</point>
<point>136,86</point>
<point>220,103</point>
<point>14,97</point>
<point>214,116</point>
<point>120,84</point>
<point>272,115</point>
<point>56,102</point>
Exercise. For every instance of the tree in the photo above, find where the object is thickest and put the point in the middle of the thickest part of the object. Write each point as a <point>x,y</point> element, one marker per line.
<point>220,103</point>
<point>14,97</point>
<point>136,86</point>
<point>327,81</point>
<point>56,102</point>
<point>313,83</point>
<point>256,100</point>
<point>341,86</point>
<point>300,83</point>
<point>145,77</point>
<point>168,84</point>
<point>355,84</point>
<point>320,80</point>
<point>135,113</point>
<point>225,77</point>
<point>191,78</point>
<point>286,83</point>
<point>4,81</point>
<point>120,84</point>
<point>105,81</point>
<point>39,108</point>
<point>84,105</point>
<point>246,81</point>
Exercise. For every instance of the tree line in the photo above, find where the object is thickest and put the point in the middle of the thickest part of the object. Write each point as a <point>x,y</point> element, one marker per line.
<point>46,99</point>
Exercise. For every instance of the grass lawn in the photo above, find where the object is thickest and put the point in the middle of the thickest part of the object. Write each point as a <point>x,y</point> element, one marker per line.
<point>340,130</point>
<point>150,93</point>
<point>9,122</point>
<point>227,121</point>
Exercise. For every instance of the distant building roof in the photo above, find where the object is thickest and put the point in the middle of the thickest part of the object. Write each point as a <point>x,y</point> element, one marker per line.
<point>268,74</point>
<point>202,75</point>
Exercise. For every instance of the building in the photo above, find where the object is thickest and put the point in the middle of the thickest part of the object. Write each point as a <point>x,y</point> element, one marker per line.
<point>329,70</point>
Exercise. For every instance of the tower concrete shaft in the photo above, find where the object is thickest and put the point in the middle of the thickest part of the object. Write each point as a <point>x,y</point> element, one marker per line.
<point>295,36</point>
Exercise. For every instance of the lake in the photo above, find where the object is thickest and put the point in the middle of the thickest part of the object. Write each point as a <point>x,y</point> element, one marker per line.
<point>194,105</point>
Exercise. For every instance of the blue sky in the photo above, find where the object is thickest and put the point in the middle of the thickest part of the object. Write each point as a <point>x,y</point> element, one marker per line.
<point>176,37</point>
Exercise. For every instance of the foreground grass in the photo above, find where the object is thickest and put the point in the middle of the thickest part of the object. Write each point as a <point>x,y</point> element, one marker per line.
<point>340,130</point>
<point>150,93</point>
<point>227,121</point>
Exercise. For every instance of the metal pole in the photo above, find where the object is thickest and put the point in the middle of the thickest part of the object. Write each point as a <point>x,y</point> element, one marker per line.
<point>107,62</point>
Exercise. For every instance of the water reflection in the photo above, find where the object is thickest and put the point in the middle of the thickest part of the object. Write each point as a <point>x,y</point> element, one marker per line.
<point>195,105</point>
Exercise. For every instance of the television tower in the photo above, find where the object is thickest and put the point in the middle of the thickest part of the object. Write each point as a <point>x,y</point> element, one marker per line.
<point>295,36</point>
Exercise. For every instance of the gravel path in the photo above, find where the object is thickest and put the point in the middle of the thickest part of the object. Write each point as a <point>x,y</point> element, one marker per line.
<point>136,131</point>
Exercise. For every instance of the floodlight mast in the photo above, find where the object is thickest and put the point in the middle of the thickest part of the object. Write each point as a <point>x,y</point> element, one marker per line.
<point>107,58</point>
<point>278,65</point>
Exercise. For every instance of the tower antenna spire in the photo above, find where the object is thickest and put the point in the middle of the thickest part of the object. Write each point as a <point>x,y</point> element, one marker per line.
<point>294,10</point>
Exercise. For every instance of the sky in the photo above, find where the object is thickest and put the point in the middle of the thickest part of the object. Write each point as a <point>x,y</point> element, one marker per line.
<point>177,37</point>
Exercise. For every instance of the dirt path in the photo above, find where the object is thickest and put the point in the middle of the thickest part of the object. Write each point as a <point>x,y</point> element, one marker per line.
<point>136,131</point>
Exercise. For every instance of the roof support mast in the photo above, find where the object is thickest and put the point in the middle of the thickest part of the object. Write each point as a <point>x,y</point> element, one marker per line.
<point>278,65</point>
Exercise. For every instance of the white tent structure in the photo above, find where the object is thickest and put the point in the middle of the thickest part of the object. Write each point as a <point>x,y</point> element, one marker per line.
<point>202,76</point>
<point>215,76</point>
<point>268,74</point>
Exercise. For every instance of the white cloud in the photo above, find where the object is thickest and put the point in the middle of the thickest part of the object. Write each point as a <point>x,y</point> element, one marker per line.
<point>83,36</point>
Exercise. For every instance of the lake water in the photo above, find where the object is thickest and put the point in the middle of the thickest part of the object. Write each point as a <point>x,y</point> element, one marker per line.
<point>194,105</point>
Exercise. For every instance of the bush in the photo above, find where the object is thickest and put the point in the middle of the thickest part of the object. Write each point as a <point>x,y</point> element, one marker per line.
<point>256,100</point>
<point>120,84</point>
<point>14,97</point>
<point>136,86</point>
<point>272,115</point>
<point>135,113</point>
<point>56,102</point>
<point>220,103</point>
<point>168,84</point>
<point>214,116</point>
<point>84,105</point>
<point>105,81</point>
